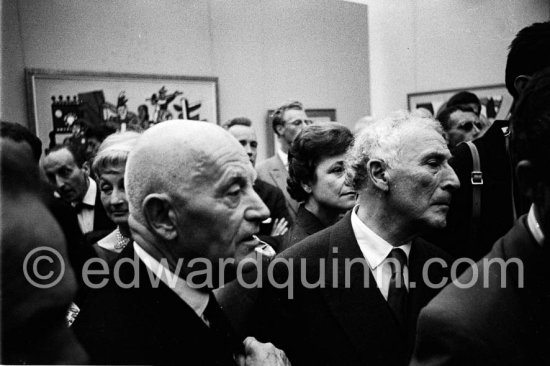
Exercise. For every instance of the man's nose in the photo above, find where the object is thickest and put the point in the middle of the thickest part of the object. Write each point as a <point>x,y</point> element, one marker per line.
<point>257,211</point>
<point>450,180</point>
<point>59,182</point>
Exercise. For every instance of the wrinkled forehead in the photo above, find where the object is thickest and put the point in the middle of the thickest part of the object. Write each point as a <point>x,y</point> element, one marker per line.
<point>419,143</point>
<point>212,164</point>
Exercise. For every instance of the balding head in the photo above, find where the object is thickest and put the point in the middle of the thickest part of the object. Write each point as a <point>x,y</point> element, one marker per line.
<point>191,182</point>
<point>172,157</point>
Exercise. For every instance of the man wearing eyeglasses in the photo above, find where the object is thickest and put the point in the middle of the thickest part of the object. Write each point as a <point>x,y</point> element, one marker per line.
<point>460,123</point>
<point>287,121</point>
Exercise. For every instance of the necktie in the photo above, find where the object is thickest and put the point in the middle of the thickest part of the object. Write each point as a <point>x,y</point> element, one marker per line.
<point>397,293</point>
<point>220,327</point>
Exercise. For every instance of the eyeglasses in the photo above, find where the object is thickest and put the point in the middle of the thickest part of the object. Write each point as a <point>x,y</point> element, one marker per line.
<point>298,122</point>
<point>469,125</point>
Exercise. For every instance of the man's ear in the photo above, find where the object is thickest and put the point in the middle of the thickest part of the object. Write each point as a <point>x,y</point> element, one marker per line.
<point>527,178</point>
<point>378,174</point>
<point>306,187</point>
<point>86,168</point>
<point>521,82</point>
<point>280,129</point>
<point>160,216</point>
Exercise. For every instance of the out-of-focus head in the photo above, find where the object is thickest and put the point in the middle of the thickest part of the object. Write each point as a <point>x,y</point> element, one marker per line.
<point>528,54</point>
<point>316,166</point>
<point>288,120</point>
<point>530,148</point>
<point>109,167</point>
<point>189,186</point>
<point>241,129</point>
<point>460,123</point>
<point>401,164</point>
<point>20,134</point>
<point>67,170</point>
<point>465,98</point>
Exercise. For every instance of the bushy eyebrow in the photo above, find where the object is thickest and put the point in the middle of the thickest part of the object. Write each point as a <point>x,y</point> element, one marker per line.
<point>439,155</point>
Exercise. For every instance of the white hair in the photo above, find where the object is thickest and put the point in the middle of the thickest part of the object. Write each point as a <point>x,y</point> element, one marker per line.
<point>382,140</point>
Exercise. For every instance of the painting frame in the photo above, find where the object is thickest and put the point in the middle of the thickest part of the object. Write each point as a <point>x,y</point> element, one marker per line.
<point>43,85</point>
<point>437,99</point>
<point>314,114</point>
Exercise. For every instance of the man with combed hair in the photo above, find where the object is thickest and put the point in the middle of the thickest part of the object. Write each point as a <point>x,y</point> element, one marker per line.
<point>191,202</point>
<point>496,313</point>
<point>365,312</point>
<point>288,120</point>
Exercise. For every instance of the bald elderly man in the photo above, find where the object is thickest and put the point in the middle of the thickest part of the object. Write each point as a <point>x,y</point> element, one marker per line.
<point>192,205</point>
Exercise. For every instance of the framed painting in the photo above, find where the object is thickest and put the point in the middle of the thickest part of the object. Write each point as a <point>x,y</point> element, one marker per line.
<point>58,102</point>
<point>316,115</point>
<point>495,100</point>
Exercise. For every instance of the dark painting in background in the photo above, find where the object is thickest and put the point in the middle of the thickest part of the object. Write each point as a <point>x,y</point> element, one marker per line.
<point>56,99</point>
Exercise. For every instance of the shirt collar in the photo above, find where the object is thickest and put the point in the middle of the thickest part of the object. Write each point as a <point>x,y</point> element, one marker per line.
<point>374,248</point>
<point>534,226</point>
<point>197,300</point>
<point>89,197</point>
<point>283,156</point>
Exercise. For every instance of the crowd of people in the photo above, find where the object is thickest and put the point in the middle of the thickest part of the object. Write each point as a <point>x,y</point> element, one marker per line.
<point>417,239</point>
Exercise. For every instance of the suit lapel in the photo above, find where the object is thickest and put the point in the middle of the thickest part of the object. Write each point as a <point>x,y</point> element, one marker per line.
<point>360,309</point>
<point>279,174</point>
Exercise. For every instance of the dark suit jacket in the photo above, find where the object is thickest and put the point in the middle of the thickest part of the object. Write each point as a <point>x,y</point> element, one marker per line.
<point>273,171</point>
<point>274,199</point>
<point>496,198</point>
<point>145,325</point>
<point>336,325</point>
<point>306,224</point>
<point>495,325</point>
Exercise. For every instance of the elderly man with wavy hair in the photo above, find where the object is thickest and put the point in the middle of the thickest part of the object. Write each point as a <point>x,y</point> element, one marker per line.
<point>369,274</point>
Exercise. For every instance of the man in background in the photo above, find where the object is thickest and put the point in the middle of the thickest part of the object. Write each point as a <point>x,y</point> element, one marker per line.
<point>68,171</point>
<point>279,220</point>
<point>287,121</point>
<point>460,124</point>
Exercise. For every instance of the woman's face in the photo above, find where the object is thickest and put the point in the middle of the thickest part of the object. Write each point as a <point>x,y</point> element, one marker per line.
<point>330,190</point>
<point>113,196</point>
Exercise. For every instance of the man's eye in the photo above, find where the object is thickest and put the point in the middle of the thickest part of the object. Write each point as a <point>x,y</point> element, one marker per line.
<point>234,192</point>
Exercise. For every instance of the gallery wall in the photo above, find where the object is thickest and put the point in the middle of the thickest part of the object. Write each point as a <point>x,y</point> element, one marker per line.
<point>427,45</point>
<point>263,52</point>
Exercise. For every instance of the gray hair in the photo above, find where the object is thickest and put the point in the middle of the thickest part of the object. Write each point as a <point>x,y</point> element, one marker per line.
<point>382,140</point>
<point>113,151</point>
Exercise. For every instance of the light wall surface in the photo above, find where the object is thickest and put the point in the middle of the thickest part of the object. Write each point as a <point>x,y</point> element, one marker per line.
<point>428,45</point>
<point>264,52</point>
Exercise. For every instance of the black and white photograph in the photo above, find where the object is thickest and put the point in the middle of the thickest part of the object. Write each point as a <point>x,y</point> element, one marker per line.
<point>275,182</point>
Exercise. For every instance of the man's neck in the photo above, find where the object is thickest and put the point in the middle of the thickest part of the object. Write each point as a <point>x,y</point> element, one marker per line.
<point>375,216</point>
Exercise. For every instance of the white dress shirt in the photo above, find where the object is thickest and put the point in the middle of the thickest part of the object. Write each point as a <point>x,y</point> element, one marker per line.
<point>86,214</point>
<point>284,157</point>
<point>376,251</point>
<point>534,226</point>
<point>197,300</point>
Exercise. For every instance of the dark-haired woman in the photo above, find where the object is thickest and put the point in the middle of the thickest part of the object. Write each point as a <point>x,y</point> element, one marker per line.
<point>317,178</point>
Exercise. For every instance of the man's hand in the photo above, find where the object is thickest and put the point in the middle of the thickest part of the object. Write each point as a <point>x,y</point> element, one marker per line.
<point>257,353</point>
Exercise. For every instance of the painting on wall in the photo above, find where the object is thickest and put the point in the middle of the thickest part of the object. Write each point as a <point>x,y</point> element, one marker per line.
<point>63,103</point>
<point>495,100</point>
<point>315,115</point>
